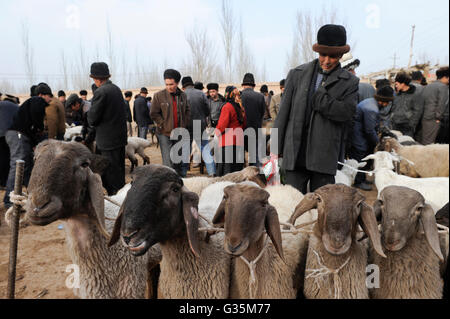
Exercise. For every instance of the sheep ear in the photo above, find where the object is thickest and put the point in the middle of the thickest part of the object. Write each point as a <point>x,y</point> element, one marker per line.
<point>219,217</point>
<point>307,203</point>
<point>369,157</point>
<point>190,214</point>
<point>273,230</point>
<point>97,201</point>
<point>428,222</point>
<point>116,230</point>
<point>369,224</point>
<point>99,163</point>
<point>377,209</point>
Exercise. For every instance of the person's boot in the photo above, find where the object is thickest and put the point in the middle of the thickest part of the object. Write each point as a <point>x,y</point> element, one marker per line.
<point>363,186</point>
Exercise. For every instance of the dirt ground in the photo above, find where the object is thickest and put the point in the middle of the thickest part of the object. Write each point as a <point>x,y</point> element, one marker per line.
<point>42,254</point>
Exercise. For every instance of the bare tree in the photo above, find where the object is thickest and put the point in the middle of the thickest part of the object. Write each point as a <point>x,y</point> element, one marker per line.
<point>64,68</point>
<point>305,31</point>
<point>228,28</point>
<point>80,79</point>
<point>201,64</point>
<point>28,52</point>
<point>110,47</point>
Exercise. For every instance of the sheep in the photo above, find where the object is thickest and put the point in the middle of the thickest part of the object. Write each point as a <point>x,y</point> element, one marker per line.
<point>246,211</point>
<point>63,187</point>
<point>347,175</point>
<point>434,189</point>
<point>429,160</point>
<point>336,261</point>
<point>137,145</point>
<point>442,216</point>
<point>411,241</point>
<point>160,209</point>
<point>72,132</point>
<point>197,184</point>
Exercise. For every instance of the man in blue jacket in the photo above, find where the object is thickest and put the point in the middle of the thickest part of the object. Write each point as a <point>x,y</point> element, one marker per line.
<point>365,137</point>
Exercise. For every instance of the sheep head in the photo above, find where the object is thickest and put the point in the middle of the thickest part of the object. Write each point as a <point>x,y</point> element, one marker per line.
<point>62,184</point>
<point>157,208</point>
<point>246,213</point>
<point>383,160</point>
<point>387,144</point>
<point>339,208</point>
<point>403,219</point>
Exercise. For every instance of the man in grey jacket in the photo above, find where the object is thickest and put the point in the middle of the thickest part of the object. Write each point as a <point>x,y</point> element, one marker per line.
<point>318,103</point>
<point>435,96</point>
<point>199,112</point>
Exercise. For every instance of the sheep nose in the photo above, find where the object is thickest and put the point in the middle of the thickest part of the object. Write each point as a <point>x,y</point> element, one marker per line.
<point>127,237</point>
<point>235,248</point>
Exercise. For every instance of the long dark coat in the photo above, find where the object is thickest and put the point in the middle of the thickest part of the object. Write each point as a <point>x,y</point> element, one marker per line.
<point>333,107</point>
<point>107,115</point>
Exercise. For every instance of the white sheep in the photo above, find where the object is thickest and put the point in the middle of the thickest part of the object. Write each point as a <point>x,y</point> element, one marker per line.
<point>347,175</point>
<point>434,189</point>
<point>277,271</point>
<point>63,187</point>
<point>137,145</point>
<point>72,132</point>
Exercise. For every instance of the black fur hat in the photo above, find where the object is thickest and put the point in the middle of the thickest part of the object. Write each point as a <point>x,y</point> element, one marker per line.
<point>331,40</point>
<point>403,77</point>
<point>442,72</point>
<point>283,82</point>
<point>212,86</point>
<point>198,86</point>
<point>384,94</point>
<point>144,90</point>
<point>416,76</point>
<point>128,94</point>
<point>172,74</point>
<point>264,89</point>
<point>187,81</point>
<point>33,90</point>
<point>249,79</point>
<point>43,88</point>
<point>100,70</point>
<point>382,82</point>
<point>83,92</point>
<point>61,93</point>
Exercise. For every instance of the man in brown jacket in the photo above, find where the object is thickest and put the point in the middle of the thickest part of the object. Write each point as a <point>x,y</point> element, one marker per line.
<point>55,119</point>
<point>170,110</point>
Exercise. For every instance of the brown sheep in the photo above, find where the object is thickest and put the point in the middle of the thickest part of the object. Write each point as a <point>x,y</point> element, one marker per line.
<point>411,241</point>
<point>429,160</point>
<point>336,262</point>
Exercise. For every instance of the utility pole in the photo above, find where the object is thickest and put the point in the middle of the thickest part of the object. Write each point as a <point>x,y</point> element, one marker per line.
<point>411,49</point>
<point>395,60</point>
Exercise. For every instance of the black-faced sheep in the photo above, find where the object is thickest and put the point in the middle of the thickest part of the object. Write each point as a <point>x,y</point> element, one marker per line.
<point>336,262</point>
<point>411,242</point>
<point>160,209</point>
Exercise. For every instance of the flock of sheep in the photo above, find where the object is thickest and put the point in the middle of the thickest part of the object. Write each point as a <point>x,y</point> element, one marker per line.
<point>234,237</point>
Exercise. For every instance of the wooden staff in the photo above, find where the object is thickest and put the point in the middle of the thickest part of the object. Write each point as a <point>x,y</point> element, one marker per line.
<point>15,231</point>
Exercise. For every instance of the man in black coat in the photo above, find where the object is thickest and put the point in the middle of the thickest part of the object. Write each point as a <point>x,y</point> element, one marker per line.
<point>128,95</point>
<point>318,104</point>
<point>255,107</point>
<point>107,115</point>
<point>142,113</point>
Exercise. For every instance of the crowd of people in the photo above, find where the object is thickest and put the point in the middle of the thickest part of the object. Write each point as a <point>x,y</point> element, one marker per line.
<point>322,115</point>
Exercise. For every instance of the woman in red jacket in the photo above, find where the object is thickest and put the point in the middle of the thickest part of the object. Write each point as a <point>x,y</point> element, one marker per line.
<point>229,130</point>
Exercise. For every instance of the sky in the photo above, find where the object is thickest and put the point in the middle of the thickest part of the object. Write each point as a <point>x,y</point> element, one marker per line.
<point>155,31</point>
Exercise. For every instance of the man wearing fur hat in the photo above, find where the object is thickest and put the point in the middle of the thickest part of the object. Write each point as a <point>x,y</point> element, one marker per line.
<point>319,102</point>
<point>276,101</point>
<point>215,102</point>
<point>170,110</point>
<point>107,116</point>
<point>142,113</point>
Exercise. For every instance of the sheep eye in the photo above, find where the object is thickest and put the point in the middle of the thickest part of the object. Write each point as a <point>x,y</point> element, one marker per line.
<point>85,164</point>
<point>175,189</point>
